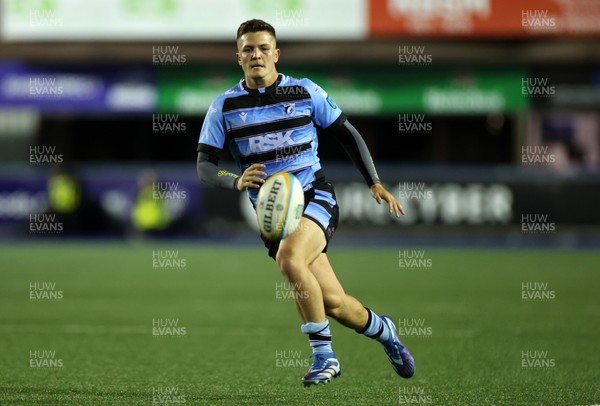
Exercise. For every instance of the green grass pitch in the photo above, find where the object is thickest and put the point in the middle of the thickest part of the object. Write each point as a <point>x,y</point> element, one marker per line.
<point>238,341</point>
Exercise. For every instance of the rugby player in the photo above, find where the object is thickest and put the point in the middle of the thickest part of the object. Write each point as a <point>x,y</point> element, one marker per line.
<point>269,123</point>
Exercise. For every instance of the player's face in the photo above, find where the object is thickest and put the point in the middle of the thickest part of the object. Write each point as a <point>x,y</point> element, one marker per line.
<point>257,55</point>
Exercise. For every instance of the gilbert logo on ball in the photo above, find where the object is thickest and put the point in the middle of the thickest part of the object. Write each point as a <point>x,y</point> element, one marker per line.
<point>279,206</point>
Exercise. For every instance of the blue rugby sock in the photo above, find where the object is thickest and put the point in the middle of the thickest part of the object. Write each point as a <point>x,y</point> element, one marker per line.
<point>376,328</point>
<point>319,336</point>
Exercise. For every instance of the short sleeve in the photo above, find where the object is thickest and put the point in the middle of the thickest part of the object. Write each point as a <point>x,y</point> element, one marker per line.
<point>213,131</point>
<point>325,111</point>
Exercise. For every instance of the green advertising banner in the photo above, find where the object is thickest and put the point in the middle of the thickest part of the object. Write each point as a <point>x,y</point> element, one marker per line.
<point>195,20</point>
<point>190,90</point>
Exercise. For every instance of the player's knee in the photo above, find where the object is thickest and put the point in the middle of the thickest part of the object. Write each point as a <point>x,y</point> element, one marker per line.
<point>289,263</point>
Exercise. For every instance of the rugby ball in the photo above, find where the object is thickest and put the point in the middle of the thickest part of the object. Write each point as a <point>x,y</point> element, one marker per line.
<point>279,206</point>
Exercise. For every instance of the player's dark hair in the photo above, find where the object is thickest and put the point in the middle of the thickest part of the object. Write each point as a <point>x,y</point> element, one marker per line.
<point>255,25</point>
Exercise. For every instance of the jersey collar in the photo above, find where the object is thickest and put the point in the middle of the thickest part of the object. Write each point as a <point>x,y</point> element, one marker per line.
<point>262,90</point>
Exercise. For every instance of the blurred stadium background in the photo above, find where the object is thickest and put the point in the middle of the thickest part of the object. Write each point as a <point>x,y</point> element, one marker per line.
<point>483,117</point>
<point>477,113</point>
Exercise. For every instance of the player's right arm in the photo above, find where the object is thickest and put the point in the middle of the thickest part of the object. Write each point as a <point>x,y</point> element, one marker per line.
<point>210,145</point>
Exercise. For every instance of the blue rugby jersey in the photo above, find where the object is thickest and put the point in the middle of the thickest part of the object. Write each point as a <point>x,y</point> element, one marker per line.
<point>274,126</point>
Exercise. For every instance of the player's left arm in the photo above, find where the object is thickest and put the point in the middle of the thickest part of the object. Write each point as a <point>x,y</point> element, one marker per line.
<point>358,151</point>
<point>328,115</point>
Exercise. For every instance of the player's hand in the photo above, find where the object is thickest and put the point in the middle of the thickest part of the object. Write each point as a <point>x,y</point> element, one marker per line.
<point>380,193</point>
<point>251,178</point>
